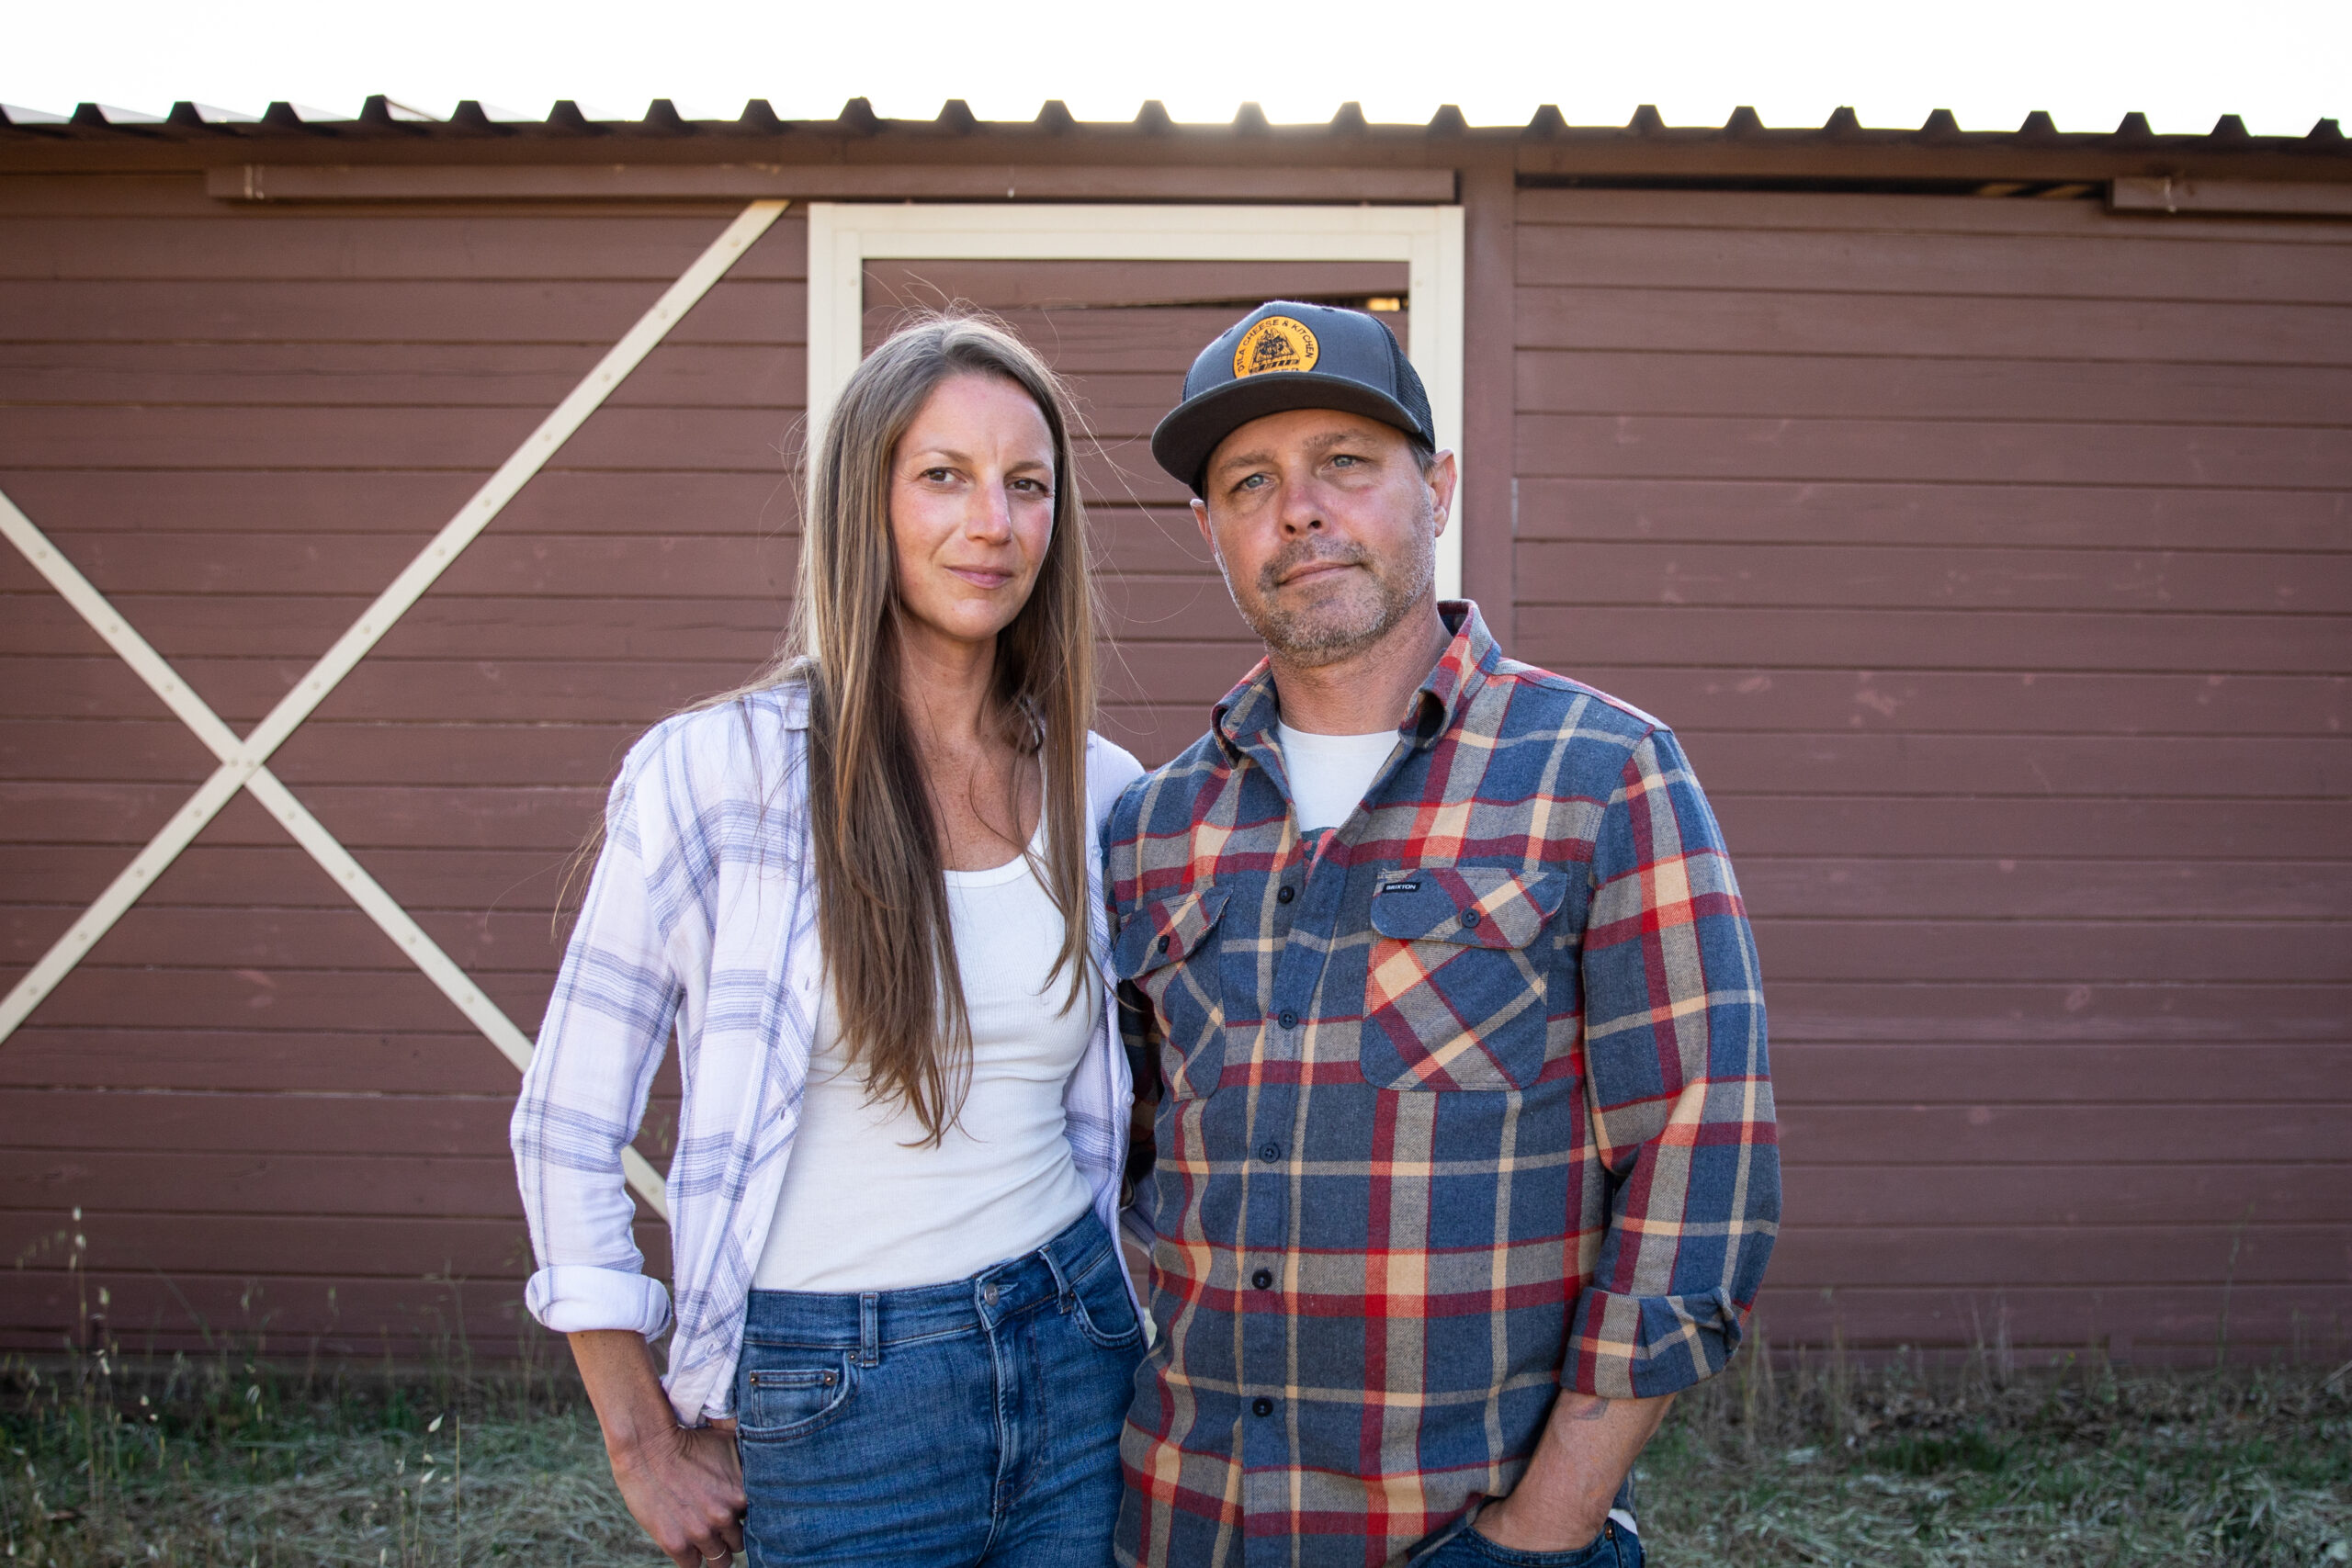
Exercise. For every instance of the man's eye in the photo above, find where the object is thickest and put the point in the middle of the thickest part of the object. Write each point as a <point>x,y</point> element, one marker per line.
<point>1254,481</point>
<point>1345,460</point>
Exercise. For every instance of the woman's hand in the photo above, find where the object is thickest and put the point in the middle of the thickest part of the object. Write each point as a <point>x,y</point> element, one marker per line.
<point>686,1487</point>
<point>683,1485</point>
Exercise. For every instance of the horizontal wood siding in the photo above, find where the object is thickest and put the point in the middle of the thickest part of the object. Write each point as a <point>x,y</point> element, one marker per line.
<point>241,427</point>
<point>1994,559</point>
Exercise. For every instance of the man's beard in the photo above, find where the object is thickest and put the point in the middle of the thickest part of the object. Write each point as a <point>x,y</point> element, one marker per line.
<point>1311,637</point>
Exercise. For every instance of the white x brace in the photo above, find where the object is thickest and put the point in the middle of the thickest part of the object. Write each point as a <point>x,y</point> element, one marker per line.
<point>242,762</point>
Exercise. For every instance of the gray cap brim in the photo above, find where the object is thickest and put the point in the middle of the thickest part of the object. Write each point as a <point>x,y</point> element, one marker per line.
<point>1183,442</point>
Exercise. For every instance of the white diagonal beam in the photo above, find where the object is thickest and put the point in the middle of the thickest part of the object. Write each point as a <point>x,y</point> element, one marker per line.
<point>279,802</point>
<point>242,760</point>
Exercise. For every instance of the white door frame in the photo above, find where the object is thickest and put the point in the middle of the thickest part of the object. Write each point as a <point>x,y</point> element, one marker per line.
<point>844,236</point>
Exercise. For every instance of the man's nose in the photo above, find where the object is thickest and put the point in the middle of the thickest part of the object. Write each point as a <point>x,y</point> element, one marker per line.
<point>1302,509</point>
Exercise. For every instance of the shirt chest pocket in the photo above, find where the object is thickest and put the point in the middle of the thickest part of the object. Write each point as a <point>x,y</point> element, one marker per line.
<point>1455,995</point>
<point>1168,950</point>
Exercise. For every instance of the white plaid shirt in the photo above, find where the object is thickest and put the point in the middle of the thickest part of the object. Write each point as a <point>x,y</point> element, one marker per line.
<point>701,915</point>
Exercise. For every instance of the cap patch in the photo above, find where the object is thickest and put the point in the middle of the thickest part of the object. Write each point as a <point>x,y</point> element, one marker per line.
<point>1278,343</point>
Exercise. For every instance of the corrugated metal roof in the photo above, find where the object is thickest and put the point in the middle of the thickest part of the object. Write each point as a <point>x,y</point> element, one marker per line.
<point>383,120</point>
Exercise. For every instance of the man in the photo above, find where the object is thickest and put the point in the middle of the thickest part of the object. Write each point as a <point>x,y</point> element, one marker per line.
<point>1465,1141</point>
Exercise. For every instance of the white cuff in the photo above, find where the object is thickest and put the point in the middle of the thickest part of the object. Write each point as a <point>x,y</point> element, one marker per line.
<point>571,1297</point>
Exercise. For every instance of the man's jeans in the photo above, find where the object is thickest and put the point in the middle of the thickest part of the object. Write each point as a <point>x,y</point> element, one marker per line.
<point>1616,1548</point>
<point>976,1422</point>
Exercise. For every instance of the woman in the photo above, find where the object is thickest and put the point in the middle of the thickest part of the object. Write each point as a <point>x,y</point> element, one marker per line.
<point>865,889</point>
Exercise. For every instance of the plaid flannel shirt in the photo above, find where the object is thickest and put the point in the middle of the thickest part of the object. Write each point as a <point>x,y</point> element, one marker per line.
<point>1460,1102</point>
<point>702,920</point>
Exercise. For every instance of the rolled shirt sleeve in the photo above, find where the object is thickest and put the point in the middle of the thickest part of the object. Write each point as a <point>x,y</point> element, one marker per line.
<point>1678,1089</point>
<point>607,1028</point>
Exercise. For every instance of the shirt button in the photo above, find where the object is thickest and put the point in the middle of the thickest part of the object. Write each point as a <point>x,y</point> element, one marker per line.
<point>1289,1019</point>
<point>1269,1152</point>
<point>1470,917</point>
<point>1286,895</point>
<point>1263,1278</point>
<point>1163,944</point>
<point>1262,1405</point>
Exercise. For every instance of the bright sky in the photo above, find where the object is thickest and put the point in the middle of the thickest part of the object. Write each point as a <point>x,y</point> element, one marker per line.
<point>2279,64</point>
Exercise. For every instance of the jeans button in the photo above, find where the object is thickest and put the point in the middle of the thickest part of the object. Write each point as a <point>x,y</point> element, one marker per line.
<point>1262,1405</point>
<point>988,1295</point>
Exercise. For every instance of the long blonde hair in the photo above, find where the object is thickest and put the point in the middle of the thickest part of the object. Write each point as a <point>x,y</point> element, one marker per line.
<point>882,900</point>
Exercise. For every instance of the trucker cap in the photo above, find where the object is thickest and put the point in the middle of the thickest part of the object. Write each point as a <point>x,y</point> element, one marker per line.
<point>1289,354</point>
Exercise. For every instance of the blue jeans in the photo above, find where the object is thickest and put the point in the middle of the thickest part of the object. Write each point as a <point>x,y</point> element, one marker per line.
<point>1615,1548</point>
<point>971,1423</point>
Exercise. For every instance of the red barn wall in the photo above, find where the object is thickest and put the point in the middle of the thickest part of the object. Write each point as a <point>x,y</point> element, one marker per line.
<point>1991,556</point>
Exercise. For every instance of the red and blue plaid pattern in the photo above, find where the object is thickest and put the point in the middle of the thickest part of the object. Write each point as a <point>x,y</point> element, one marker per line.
<point>1460,1102</point>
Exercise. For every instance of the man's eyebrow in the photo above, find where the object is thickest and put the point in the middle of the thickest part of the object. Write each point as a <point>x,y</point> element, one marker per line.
<point>1242,460</point>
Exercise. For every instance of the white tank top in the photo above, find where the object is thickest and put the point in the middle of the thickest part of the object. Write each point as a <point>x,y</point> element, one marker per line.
<point>864,1206</point>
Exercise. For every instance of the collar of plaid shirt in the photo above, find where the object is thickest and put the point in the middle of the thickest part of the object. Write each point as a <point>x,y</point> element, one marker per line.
<point>1464,1102</point>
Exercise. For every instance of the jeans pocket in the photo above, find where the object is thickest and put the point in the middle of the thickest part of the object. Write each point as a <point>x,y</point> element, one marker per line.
<point>1105,1312</point>
<point>784,1395</point>
<point>1470,1550</point>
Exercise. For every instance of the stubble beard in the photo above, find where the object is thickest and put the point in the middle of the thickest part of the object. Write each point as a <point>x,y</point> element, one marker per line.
<point>1312,635</point>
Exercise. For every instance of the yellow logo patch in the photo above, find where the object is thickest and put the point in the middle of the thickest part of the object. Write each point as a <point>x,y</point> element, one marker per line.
<point>1278,343</point>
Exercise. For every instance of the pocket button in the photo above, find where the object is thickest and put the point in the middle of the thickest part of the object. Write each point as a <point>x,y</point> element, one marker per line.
<point>1470,917</point>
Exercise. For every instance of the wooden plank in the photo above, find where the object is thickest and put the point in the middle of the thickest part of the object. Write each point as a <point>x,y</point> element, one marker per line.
<point>2110,261</point>
<point>277,939</point>
<point>603,566</point>
<point>1965,1257</point>
<point>342,1246</point>
<point>2273,198</point>
<point>1993,702</point>
<point>1788,322</point>
<point>251,1053</point>
<point>1818,512</point>
<point>2141,1325</point>
<point>2093,1076</point>
<point>449,436</point>
<point>2112,766</point>
<point>2024,829</point>
<point>1996,1012</point>
<point>1921,639</point>
<point>260,1184</point>
<point>1930,577</point>
<point>934,181</point>
<point>2076,951</point>
<point>1902,451</point>
<point>492,755</point>
<point>363,819</point>
<point>232,243</point>
<point>1040,286</point>
<point>1855,212</point>
<point>2045,889</point>
<point>2216,1131</point>
<point>1760,386</point>
<point>69,504</point>
<point>392,688</point>
<point>485,311</point>
<point>1930,1198</point>
<point>394,375</point>
<point>741,633</point>
<point>261,1123</point>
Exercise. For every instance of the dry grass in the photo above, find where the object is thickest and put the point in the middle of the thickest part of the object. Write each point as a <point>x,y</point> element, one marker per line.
<point>222,1461</point>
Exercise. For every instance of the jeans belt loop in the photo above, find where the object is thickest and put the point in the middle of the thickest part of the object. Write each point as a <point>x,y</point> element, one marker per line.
<point>869,1328</point>
<point>1062,1290</point>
